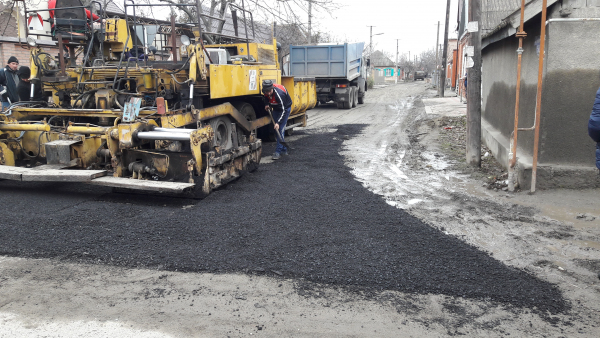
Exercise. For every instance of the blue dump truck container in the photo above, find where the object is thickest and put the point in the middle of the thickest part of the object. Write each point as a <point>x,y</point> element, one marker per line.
<point>339,71</point>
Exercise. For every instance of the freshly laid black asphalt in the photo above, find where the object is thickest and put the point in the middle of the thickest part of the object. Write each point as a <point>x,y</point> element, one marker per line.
<point>302,217</point>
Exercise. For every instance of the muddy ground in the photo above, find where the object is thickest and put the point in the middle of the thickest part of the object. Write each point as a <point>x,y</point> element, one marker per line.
<point>372,226</point>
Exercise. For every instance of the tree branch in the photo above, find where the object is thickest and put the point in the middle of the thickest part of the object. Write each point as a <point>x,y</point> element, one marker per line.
<point>190,15</point>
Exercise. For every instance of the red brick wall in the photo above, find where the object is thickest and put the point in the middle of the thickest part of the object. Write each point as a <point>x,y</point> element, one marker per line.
<point>8,49</point>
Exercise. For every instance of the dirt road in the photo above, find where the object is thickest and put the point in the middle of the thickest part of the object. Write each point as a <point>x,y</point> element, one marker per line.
<point>367,229</point>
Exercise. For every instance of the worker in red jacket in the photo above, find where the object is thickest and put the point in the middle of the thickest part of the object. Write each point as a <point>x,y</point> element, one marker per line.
<point>277,98</point>
<point>52,5</point>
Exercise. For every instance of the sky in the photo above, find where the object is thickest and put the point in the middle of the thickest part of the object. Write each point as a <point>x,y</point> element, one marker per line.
<point>414,22</point>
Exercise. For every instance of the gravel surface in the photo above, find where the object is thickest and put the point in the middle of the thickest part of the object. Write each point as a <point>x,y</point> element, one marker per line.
<point>303,217</point>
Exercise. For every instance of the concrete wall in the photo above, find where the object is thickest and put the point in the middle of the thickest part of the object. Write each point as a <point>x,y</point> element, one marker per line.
<point>571,79</point>
<point>499,77</point>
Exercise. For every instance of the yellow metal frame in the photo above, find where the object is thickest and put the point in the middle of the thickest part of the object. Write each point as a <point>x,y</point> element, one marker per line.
<point>302,92</point>
<point>239,80</point>
<point>116,35</point>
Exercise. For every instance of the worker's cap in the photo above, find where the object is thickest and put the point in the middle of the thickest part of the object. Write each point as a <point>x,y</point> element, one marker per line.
<point>12,59</point>
<point>267,85</point>
<point>24,72</point>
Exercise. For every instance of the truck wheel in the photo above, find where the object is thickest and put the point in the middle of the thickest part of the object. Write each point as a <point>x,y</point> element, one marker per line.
<point>222,128</point>
<point>289,132</point>
<point>361,99</point>
<point>347,104</point>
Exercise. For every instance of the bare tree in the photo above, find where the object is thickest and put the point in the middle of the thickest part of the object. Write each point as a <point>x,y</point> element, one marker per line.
<point>284,12</point>
<point>406,64</point>
<point>427,61</point>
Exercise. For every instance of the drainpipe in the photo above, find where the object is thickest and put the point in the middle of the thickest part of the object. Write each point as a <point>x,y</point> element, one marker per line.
<point>513,140</point>
<point>538,104</point>
<point>538,108</point>
<point>571,20</point>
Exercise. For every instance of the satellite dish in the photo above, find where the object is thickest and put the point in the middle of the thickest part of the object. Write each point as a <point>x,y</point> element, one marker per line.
<point>185,40</point>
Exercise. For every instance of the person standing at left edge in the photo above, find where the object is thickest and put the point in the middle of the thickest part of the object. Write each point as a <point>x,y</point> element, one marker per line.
<point>8,83</point>
<point>594,127</point>
<point>279,101</point>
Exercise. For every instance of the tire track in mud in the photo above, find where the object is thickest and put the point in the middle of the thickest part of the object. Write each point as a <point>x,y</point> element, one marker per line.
<point>303,217</point>
<point>383,157</point>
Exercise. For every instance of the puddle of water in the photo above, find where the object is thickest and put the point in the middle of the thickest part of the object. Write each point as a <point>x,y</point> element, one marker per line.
<point>475,189</point>
<point>386,172</point>
<point>434,161</point>
<point>569,216</point>
<point>587,244</point>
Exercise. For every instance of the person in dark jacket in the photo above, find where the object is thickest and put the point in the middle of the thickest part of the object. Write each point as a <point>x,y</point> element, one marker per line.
<point>8,82</point>
<point>594,127</point>
<point>279,101</point>
<point>24,86</point>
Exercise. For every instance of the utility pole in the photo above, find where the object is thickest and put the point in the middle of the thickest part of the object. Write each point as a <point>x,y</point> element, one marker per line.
<point>309,21</point>
<point>370,47</point>
<point>409,67</point>
<point>437,61</point>
<point>396,79</point>
<point>442,85</point>
<point>474,88</point>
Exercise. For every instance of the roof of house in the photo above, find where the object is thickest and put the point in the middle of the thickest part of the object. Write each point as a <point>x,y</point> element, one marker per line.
<point>8,23</point>
<point>378,59</point>
<point>493,12</point>
<point>113,8</point>
<point>502,21</point>
<point>257,31</point>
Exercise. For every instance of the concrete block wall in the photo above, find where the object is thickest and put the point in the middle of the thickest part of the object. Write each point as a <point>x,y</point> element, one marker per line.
<point>577,9</point>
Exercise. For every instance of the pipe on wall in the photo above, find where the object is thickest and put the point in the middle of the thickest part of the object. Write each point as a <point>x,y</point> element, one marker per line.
<point>538,108</point>
<point>513,140</point>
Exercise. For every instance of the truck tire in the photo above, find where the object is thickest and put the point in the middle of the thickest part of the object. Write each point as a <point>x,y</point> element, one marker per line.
<point>354,96</point>
<point>347,104</point>
<point>361,99</point>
